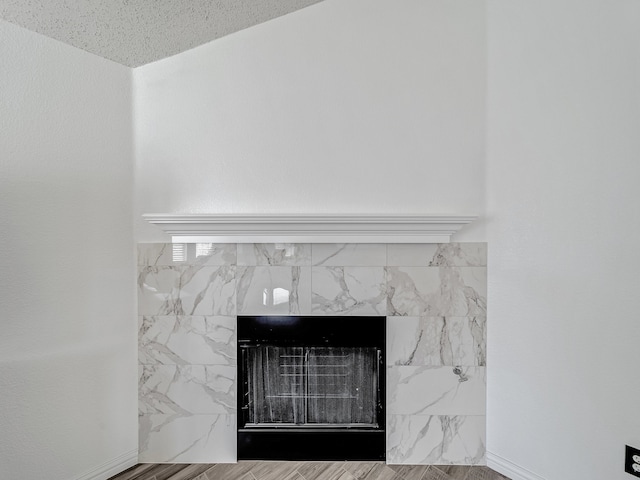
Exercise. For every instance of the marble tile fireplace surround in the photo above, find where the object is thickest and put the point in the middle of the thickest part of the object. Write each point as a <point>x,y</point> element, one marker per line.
<point>433,296</point>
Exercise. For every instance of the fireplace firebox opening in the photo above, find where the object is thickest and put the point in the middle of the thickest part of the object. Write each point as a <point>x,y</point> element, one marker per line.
<point>311,388</point>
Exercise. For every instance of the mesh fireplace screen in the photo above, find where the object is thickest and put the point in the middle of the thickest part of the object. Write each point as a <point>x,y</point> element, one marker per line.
<point>301,386</point>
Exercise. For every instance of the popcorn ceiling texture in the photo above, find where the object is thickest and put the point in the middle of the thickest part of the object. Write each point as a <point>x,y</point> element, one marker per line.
<point>136,32</point>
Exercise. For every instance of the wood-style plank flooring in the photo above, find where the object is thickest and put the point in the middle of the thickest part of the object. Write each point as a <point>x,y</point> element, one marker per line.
<point>246,470</point>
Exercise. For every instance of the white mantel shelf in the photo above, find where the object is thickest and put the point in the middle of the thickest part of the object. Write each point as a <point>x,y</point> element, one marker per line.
<point>266,228</point>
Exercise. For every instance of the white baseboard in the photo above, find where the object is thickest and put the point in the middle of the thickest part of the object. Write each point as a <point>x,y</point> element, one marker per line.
<point>112,467</point>
<point>511,470</point>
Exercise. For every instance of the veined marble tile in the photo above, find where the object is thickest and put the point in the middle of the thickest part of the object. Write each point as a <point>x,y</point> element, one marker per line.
<point>436,391</point>
<point>186,340</point>
<point>188,290</point>
<point>274,290</point>
<point>437,254</point>
<point>437,291</point>
<point>349,254</point>
<point>436,341</point>
<point>436,440</point>
<point>277,254</point>
<point>167,254</point>
<point>187,389</point>
<point>348,290</point>
<point>187,438</point>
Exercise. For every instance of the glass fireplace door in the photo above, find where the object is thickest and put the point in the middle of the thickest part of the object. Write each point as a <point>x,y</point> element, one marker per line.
<point>311,386</point>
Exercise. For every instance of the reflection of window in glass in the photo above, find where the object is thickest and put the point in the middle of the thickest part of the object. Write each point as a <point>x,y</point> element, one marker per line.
<point>280,295</point>
<point>277,296</point>
<point>288,249</point>
<point>179,252</point>
<point>204,249</point>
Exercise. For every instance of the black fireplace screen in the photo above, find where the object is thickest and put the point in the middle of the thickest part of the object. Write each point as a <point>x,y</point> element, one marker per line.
<point>312,386</point>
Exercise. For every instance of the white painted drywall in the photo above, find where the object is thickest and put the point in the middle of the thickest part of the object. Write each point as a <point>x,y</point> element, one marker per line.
<point>563,168</point>
<point>67,320</point>
<point>360,106</point>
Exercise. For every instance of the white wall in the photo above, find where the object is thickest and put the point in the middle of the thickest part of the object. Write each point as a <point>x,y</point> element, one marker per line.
<point>564,235</point>
<point>362,106</point>
<point>67,347</point>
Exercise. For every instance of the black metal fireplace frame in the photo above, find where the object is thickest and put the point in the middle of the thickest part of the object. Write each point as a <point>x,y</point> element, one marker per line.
<point>314,443</point>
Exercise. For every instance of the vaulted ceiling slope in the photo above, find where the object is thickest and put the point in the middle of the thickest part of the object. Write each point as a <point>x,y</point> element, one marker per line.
<point>136,32</point>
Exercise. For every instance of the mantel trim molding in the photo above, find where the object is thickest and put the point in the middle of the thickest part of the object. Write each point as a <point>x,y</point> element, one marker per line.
<point>267,228</point>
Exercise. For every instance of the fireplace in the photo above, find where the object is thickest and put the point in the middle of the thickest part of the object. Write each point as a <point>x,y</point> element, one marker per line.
<point>434,300</point>
<point>311,388</point>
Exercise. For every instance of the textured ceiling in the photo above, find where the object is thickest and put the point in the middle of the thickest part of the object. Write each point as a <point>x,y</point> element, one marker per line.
<point>135,32</point>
